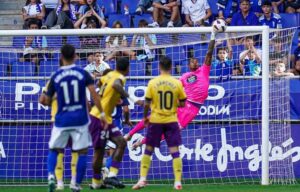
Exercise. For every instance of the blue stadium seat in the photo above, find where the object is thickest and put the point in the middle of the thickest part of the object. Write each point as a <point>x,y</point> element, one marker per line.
<point>137,19</point>
<point>124,19</point>
<point>54,41</point>
<point>9,57</point>
<point>288,20</point>
<point>48,67</point>
<point>112,64</point>
<point>110,6</point>
<point>184,66</point>
<point>74,40</point>
<point>3,68</point>
<point>177,54</point>
<point>131,4</point>
<point>213,6</point>
<point>22,69</point>
<point>18,41</point>
<point>137,68</point>
<point>200,51</point>
<point>155,68</point>
<point>81,63</point>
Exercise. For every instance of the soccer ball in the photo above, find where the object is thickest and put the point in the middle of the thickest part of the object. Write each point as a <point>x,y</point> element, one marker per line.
<point>219,25</point>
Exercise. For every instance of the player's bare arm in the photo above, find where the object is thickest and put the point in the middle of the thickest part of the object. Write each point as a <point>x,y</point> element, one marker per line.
<point>208,57</point>
<point>118,86</point>
<point>127,116</point>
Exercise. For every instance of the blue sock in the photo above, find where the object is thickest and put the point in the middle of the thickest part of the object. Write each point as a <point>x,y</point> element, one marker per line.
<point>108,162</point>
<point>52,158</point>
<point>81,168</point>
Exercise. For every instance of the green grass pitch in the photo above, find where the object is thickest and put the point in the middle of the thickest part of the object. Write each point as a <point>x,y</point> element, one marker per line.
<point>168,188</point>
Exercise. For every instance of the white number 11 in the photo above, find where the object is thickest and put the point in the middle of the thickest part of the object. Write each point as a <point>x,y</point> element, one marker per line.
<point>64,85</point>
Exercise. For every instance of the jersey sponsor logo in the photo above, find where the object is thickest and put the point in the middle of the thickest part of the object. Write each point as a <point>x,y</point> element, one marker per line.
<point>192,79</point>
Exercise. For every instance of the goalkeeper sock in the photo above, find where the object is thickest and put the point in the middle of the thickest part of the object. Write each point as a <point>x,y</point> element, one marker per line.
<point>137,128</point>
<point>108,162</point>
<point>145,164</point>
<point>59,169</point>
<point>73,167</point>
<point>177,166</point>
<point>52,159</point>
<point>80,168</point>
<point>114,169</point>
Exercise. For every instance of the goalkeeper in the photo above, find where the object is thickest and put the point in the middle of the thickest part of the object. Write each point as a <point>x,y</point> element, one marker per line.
<point>195,83</point>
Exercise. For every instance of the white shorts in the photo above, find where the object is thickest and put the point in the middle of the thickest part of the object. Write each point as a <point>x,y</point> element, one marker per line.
<point>81,138</point>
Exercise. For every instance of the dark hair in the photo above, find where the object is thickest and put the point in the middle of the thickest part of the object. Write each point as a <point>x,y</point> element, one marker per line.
<point>165,63</point>
<point>34,22</point>
<point>266,2</point>
<point>143,23</point>
<point>250,37</point>
<point>68,52</point>
<point>106,71</point>
<point>122,64</point>
<point>241,1</point>
<point>120,37</point>
<point>28,2</point>
<point>62,3</point>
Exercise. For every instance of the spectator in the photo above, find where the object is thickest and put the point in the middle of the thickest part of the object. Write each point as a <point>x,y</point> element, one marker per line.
<point>144,41</point>
<point>166,13</point>
<point>236,71</point>
<point>143,6</point>
<point>244,17</point>
<point>49,5</point>
<point>250,63</point>
<point>32,43</point>
<point>97,67</point>
<point>249,44</point>
<point>88,17</point>
<point>276,5</point>
<point>196,13</point>
<point>33,10</point>
<point>269,18</point>
<point>114,42</point>
<point>95,13</point>
<point>223,64</point>
<point>296,69</point>
<point>280,70</point>
<point>226,9</point>
<point>292,6</point>
<point>296,55</point>
<point>63,17</point>
<point>278,53</point>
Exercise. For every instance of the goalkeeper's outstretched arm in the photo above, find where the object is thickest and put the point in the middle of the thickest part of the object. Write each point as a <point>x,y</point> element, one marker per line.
<point>211,46</point>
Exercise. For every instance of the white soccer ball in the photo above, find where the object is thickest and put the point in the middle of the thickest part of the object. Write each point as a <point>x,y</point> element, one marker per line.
<point>219,25</point>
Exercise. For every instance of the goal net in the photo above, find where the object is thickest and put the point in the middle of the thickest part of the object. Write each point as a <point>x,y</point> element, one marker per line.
<point>237,137</point>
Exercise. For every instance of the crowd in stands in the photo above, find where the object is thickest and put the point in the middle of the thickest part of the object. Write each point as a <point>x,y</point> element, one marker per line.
<point>87,14</point>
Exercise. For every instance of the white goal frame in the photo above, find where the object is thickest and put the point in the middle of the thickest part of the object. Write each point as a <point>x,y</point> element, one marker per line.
<point>264,30</point>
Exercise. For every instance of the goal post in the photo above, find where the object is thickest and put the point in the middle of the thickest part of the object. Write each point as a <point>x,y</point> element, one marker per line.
<point>243,135</point>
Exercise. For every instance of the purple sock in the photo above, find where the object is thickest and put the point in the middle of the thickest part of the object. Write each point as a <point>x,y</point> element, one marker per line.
<point>97,176</point>
<point>175,155</point>
<point>147,152</point>
<point>115,164</point>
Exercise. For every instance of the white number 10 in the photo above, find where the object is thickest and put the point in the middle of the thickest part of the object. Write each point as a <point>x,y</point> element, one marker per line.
<point>64,85</point>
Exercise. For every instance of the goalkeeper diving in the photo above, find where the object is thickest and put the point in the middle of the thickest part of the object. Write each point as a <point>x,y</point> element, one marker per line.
<point>195,84</point>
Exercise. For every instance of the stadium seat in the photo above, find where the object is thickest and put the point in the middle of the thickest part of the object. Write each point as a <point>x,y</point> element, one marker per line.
<point>54,41</point>
<point>288,20</point>
<point>137,68</point>
<point>9,57</point>
<point>137,19</point>
<point>74,40</point>
<point>22,69</point>
<point>213,6</point>
<point>200,51</point>
<point>110,6</point>
<point>155,68</point>
<point>124,19</point>
<point>177,54</point>
<point>3,68</point>
<point>131,5</point>
<point>18,41</point>
<point>81,63</point>
<point>48,67</point>
<point>184,66</point>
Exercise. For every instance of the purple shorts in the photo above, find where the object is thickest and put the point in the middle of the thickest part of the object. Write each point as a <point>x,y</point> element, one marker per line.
<point>170,130</point>
<point>100,136</point>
